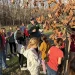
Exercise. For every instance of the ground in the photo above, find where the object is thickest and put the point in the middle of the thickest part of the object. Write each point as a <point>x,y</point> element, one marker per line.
<point>13,67</point>
<point>13,64</point>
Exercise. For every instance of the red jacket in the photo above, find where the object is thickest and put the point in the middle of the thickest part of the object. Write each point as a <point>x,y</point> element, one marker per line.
<point>3,40</point>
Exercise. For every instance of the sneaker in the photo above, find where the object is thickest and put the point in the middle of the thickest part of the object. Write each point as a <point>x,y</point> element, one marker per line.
<point>24,64</point>
<point>3,68</point>
<point>7,59</point>
<point>23,68</point>
<point>17,55</point>
<point>41,72</point>
<point>12,55</point>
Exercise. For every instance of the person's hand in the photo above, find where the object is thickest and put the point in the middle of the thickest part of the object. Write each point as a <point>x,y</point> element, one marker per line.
<point>11,34</point>
<point>34,30</point>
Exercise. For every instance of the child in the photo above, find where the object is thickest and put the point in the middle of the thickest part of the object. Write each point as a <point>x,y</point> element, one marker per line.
<point>11,41</point>
<point>72,67</point>
<point>26,34</point>
<point>55,56</point>
<point>20,41</point>
<point>32,56</point>
<point>4,65</point>
<point>44,47</point>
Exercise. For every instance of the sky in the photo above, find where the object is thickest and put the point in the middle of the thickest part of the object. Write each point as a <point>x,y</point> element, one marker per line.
<point>22,4</point>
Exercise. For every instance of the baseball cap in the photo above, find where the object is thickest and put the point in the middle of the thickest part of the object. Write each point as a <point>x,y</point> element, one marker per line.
<point>31,19</point>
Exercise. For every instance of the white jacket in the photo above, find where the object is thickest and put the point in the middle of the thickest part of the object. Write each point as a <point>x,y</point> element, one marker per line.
<point>33,61</point>
<point>20,48</point>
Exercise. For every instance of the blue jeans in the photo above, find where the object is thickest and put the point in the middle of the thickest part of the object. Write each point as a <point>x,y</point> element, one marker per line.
<point>0,62</point>
<point>3,59</point>
<point>6,46</point>
<point>50,71</point>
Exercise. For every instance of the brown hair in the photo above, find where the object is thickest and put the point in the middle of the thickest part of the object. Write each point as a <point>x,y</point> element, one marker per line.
<point>43,37</point>
<point>59,41</point>
<point>19,34</point>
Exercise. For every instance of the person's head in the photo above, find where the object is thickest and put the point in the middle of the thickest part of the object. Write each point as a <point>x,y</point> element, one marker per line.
<point>58,42</point>
<point>17,28</point>
<point>3,30</point>
<point>72,67</point>
<point>33,43</point>
<point>43,37</point>
<point>32,21</point>
<point>22,24</point>
<point>10,28</point>
<point>19,34</point>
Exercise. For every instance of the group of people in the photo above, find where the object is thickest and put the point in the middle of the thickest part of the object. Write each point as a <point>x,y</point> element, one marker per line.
<point>35,48</point>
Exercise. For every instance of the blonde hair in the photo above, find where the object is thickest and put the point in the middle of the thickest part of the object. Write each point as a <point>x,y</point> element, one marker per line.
<point>33,41</point>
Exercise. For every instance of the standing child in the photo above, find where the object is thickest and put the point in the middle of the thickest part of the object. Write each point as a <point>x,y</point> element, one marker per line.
<point>55,56</point>
<point>32,56</point>
<point>4,65</point>
<point>20,44</point>
<point>44,47</point>
<point>11,41</point>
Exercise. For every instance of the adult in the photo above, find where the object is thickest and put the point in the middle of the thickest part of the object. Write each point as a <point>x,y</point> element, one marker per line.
<point>33,29</point>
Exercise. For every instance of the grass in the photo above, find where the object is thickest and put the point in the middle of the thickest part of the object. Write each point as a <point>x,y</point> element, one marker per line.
<point>13,64</point>
<point>13,68</point>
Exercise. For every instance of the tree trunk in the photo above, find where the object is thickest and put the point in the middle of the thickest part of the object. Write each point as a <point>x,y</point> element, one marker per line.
<point>13,21</point>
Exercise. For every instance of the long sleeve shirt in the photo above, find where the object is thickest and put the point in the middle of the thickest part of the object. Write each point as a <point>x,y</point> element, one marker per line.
<point>33,61</point>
